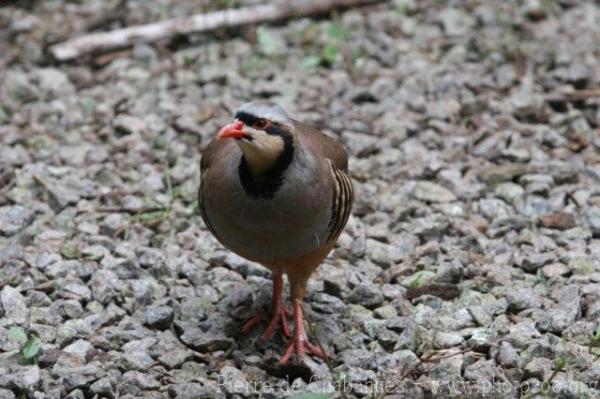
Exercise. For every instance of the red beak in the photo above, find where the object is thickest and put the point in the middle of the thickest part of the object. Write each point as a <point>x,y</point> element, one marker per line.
<point>232,130</point>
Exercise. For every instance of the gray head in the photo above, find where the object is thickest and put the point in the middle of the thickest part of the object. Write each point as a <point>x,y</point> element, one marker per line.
<point>263,131</point>
<point>263,110</point>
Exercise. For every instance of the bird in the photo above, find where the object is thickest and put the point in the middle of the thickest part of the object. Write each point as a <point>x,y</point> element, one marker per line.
<point>276,192</point>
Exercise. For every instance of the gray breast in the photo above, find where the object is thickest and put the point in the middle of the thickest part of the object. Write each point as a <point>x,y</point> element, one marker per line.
<point>292,223</point>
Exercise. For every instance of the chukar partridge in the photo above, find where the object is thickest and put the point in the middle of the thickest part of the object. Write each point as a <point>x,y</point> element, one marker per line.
<point>277,192</point>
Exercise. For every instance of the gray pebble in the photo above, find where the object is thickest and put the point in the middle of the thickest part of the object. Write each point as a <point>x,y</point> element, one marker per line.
<point>15,218</point>
<point>159,316</point>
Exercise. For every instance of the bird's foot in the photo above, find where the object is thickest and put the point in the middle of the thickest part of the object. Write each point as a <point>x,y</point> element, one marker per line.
<point>278,318</point>
<point>279,314</point>
<point>299,343</point>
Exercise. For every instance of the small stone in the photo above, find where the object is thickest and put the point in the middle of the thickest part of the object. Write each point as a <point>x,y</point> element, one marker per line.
<point>356,358</point>
<point>367,295</point>
<point>112,224</point>
<point>136,360</point>
<point>6,394</point>
<point>568,310</point>
<point>481,340</point>
<point>581,265</point>
<point>507,355</point>
<point>144,381</point>
<point>568,388</point>
<point>15,218</point>
<point>480,315</point>
<point>191,390</point>
<point>60,196</point>
<point>576,233</point>
<point>233,380</point>
<point>539,368</point>
<point>159,317</point>
<point>432,192</point>
<point>428,300</point>
<point>15,156</point>
<point>386,312</point>
<point>75,394</point>
<point>522,298</point>
<point>444,340</point>
<point>27,377</point>
<point>175,358</point>
<point>208,341</point>
<point>105,285</point>
<point>501,173</point>
<point>54,82</point>
<point>75,372</point>
<point>537,183</point>
<point>80,348</point>
<point>382,254</point>
<point>417,279</point>
<point>455,21</point>
<point>535,9</point>
<point>77,291</point>
<point>482,371</point>
<point>102,387</point>
<point>558,220</point>
<point>578,74</point>
<point>593,218</point>
<point>522,334</point>
<point>554,270</point>
<point>510,192</point>
<point>18,86</point>
<point>70,250</point>
<point>14,305</point>
<point>562,172</point>
<point>128,124</point>
<point>151,257</point>
<point>532,262</point>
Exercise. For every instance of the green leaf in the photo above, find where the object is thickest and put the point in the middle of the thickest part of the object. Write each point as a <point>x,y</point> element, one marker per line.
<point>330,53</point>
<point>17,334</point>
<point>312,396</point>
<point>267,44</point>
<point>32,348</point>
<point>560,362</point>
<point>336,31</point>
<point>312,61</point>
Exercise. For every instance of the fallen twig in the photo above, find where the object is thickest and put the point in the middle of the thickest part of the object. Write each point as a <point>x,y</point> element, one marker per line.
<point>104,41</point>
<point>575,95</point>
<point>118,209</point>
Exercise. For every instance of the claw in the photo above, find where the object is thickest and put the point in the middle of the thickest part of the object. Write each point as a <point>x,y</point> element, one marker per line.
<point>299,343</point>
<point>278,317</point>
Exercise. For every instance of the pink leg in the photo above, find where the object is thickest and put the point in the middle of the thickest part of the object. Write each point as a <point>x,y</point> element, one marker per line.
<point>279,313</point>
<point>299,343</point>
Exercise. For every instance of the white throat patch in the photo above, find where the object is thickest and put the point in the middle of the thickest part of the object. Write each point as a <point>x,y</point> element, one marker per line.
<point>262,151</point>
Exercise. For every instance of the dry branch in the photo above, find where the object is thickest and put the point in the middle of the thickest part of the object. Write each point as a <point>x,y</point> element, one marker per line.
<point>104,41</point>
<point>575,95</point>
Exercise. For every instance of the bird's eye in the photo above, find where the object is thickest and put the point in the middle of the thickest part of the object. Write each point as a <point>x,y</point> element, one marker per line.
<point>261,124</point>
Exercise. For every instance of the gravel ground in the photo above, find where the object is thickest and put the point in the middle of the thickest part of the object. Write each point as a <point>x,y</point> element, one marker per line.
<point>470,266</point>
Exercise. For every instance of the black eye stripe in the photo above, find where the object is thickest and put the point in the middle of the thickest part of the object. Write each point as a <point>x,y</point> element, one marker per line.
<point>247,118</point>
<point>273,128</point>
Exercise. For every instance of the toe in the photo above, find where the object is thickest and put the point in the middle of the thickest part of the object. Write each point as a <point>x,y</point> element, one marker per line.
<point>315,350</point>
<point>250,324</point>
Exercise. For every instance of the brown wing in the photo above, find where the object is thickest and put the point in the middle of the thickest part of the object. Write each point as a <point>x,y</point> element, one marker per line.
<point>327,146</point>
<point>341,206</point>
<point>214,149</point>
<point>343,193</point>
<point>209,153</point>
